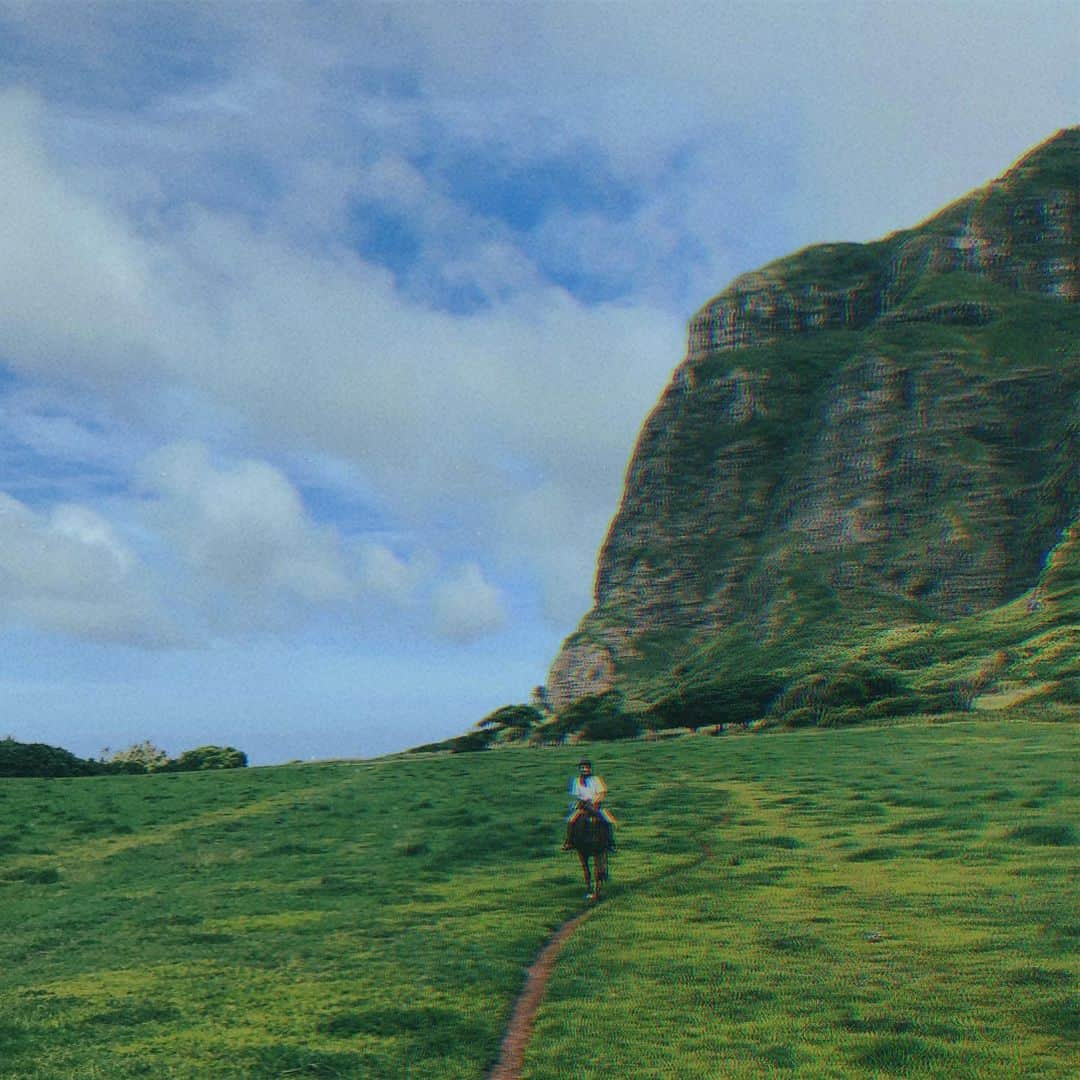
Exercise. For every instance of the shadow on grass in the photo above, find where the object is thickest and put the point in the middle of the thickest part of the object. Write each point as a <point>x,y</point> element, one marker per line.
<point>1037,976</point>
<point>874,854</point>
<point>432,1032</point>
<point>15,1039</point>
<point>128,1013</point>
<point>1050,834</point>
<point>779,1057</point>
<point>789,843</point>
<point>32,875</point>
<point>794,943</point>
<point>742,1003</point>
<point>277,1060</point>
<point>961,822</point>
<point>901,1054</point>
<point>1060,1017</point>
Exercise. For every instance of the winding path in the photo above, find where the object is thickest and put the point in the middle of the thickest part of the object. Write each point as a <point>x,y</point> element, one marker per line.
<point>520,1028</point>
<point>519,1031</point>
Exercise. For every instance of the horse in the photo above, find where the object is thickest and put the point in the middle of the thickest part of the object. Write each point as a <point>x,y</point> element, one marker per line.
<point>590,837</point>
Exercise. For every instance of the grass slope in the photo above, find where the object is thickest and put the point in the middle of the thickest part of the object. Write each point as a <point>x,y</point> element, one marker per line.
<point>864,902</point>
<point>1025,651</point>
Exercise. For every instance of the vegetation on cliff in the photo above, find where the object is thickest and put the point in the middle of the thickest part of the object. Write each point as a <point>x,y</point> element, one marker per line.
<point>858,497</point>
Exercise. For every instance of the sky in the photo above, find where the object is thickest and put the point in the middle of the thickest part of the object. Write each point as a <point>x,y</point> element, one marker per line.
<point>327,329</point>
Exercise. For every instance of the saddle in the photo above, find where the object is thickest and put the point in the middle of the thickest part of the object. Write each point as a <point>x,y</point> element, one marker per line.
<point>591,833</point>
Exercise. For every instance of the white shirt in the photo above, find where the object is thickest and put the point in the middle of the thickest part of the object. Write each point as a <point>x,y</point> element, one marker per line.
<point>587,789</point>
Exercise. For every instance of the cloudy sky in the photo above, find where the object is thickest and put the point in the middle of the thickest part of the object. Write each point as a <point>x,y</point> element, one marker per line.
<point>326,329</point>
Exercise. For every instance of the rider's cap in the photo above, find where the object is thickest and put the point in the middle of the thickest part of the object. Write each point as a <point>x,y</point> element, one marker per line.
<point>584,761</point>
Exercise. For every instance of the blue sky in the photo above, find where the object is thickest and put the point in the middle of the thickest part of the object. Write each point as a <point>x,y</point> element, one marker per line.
<point>326,329</point>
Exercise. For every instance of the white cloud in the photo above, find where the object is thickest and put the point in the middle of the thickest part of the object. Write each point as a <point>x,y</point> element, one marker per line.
<point>250,311</point>
<point>871,115</point>
<point>319,354</point>
<point>467,607</point>
<point>73,280</point>
<point>389,575</point>
<point>242,528</point>
<point>562,531</point>
<point>69,572</point>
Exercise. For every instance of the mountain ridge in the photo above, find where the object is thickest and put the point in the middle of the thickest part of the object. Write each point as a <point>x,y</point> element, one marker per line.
<point>860,437</point>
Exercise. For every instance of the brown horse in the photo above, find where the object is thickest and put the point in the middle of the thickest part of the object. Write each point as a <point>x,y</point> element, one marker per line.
<point>590,837</point>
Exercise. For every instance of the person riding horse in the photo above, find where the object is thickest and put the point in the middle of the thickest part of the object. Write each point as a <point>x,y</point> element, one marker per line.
<point>587,793</point>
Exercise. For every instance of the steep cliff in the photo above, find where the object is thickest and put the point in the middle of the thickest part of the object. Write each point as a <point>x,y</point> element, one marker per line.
<point>860,438</point>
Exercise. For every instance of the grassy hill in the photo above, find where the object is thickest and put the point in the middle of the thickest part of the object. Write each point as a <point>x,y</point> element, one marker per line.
<point>869,901</point>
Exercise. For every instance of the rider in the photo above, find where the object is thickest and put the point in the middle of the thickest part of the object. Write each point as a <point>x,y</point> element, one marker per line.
<point>587,792</point>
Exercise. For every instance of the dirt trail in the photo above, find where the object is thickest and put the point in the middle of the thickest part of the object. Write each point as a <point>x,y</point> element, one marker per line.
<point>512,1052</point>
<point>519,1031</point>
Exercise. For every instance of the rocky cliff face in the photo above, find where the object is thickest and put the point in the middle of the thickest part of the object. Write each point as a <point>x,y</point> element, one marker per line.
<point>858,435</point>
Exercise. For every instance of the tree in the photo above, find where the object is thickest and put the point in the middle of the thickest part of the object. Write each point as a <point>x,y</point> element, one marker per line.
<point>40,759</point>
<point>600,717</point>
<point>847,694</point>
<point>141,757</point>
<point>516,718</point>
<point>731,701</point>
<point>209,757</point>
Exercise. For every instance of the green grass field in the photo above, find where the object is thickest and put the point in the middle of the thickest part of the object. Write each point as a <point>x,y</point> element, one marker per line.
<point>858,902</point>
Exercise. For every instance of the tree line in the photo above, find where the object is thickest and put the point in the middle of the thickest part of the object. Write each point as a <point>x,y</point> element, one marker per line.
<point>847,694</point>
<point>42,760</point>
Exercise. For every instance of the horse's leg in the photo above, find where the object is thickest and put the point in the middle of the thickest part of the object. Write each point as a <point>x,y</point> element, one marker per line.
<point>600,861</point>
<point>585,869</point>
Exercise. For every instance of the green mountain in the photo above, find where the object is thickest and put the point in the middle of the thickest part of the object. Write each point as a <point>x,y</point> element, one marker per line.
<point>859,493</point>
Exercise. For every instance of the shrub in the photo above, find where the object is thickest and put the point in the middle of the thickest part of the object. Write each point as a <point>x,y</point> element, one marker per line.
<point>737,700</point>
<point>469,742</point>
<point>652,735</point>
<point>208,757</point>
<point>802,717</point>
<point>1068,690</point>
<point>140,758</point>
<point>39,759</point>
<point>844,695</point>
<point>894,706</point>
<point>514,718</point>
<point>509,723</point>
<point>600,717</point>
<point>609,726</point>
